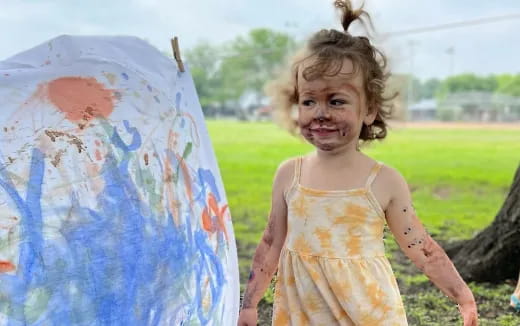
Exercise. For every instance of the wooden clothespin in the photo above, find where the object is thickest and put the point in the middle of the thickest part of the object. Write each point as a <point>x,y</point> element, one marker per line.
<point>177,53</point>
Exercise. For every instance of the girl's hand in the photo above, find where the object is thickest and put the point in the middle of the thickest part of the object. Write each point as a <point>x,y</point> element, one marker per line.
<point>469,314</point>
<point>248,317</point>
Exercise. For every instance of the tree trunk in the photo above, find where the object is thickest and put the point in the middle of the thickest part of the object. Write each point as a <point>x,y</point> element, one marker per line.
<point>493,255</point>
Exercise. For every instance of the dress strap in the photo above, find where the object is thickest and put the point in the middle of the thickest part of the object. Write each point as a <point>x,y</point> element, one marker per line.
<point>373,174</point>
<point>297,170</point>
<point>296,177</point>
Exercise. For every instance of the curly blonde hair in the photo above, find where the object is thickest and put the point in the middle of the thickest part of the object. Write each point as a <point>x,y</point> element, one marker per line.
<point>329,48</point>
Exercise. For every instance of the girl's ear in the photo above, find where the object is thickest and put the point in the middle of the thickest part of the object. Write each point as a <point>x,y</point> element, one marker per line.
<point>370,116</point>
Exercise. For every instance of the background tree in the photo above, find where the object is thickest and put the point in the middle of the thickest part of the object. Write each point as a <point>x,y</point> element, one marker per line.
<point>224,73</point>
<point>509,84</point>
<point>467,82</point>
<point>429,88</point>
<point>253,59</point>
<point>206,73</point>
<point>493,255</point>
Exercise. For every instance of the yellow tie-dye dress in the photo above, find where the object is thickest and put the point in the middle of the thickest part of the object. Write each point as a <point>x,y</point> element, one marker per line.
<point>333,269</point>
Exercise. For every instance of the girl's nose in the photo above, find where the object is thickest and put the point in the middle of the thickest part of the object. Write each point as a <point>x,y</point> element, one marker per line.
<point>322,112</point>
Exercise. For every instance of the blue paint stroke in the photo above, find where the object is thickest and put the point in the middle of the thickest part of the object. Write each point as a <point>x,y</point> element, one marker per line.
<point>205,179</point>
<point>117,262</point>
<point>178,98</point>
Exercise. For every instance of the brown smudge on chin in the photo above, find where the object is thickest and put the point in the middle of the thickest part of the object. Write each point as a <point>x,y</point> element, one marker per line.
<point>325,147</point>
<point>81,99</point>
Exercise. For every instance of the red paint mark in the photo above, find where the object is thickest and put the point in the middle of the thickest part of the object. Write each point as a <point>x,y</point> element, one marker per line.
<point>98,155</point>
<point>146,158</point>
<point>186,176</point>
<point>212,209</point>
<point>80,99</point>
<point>6,266</point>
<point>47,62</point>
<point>98,143</point>
<point>207,225</point>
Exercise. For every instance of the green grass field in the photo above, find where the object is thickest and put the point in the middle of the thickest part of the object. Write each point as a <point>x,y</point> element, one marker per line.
<point>458,177</point>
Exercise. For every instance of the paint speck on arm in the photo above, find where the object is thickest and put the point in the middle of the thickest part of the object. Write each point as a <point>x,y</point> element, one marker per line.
<point>146,158</point>
<point>251,276</point>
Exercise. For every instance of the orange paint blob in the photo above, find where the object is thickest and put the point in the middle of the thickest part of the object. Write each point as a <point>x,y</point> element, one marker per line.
<point>80,98</point>
<point>6,266</point>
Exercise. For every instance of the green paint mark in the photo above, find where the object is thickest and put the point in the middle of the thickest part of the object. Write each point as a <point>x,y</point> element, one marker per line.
<point>146,181</point>
<point>187,150</point>
<point>36,304</point>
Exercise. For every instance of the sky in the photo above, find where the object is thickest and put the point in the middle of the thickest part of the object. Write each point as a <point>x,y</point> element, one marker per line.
<point>492,48</point>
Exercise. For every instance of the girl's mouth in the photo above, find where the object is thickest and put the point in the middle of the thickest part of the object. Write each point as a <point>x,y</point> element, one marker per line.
<point>320,131</point>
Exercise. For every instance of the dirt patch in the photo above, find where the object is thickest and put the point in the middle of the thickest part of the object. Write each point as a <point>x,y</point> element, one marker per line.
<point>442,192</point>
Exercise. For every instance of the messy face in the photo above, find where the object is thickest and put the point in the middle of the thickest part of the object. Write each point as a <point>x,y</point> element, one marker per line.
<point>332,109</point>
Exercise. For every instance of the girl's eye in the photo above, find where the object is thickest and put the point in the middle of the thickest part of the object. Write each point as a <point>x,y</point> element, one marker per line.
<point>307,102</point>
<point>337,102</point>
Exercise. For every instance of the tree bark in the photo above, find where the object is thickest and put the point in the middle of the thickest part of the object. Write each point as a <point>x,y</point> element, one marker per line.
<point>493,255</point>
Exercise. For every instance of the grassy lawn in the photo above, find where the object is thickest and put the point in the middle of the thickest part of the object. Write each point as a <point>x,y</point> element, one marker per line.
<point>458,177</point>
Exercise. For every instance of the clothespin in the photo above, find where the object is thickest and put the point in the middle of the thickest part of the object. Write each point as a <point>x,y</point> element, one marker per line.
<point>177,53</point>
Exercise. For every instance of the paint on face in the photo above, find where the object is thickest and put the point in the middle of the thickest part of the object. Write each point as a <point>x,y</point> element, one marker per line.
<point>331,109</point>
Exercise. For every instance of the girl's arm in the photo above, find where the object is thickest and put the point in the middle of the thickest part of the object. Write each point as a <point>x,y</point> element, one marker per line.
<point>265,260</point>
<point>422,250</point>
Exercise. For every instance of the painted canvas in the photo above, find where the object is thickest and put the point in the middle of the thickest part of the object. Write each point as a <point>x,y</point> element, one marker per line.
<point>112,208</point>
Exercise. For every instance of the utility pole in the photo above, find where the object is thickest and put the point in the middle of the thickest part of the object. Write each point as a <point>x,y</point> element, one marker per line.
<point>450,52</point>
<point>410,97</point>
